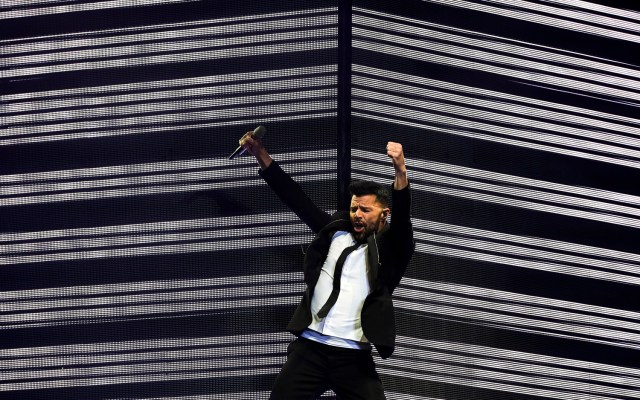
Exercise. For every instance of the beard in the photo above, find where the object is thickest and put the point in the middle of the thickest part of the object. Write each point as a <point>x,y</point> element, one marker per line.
<point>361,237</point>
<point>362,232</point>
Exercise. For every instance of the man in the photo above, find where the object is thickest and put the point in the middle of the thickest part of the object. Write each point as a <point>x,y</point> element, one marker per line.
<point>351,268</point>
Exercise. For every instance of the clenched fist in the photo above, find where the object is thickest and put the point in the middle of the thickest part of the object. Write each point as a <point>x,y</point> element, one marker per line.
<point>394,151</point>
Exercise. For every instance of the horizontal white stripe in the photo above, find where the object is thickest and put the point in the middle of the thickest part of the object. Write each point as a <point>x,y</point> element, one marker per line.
<point>504,183</point>
<point>473,360</point>
<point>239,371</point>
<point>133,313</point>
<point>518,51</point>
<point>143,228</point>
<point>598,8</point>
<point>236,19</point>
<point>535,317</point>
<point>137,237</point>
<point>526,128</point>
<point>406,396</point>
<point>514,202</point>
<point>534,206</point>
<point>511,250</point>
<point>36,8</point>
<point>223,396</point>
<point>464,379</point>
<point>237,108</point>
<point>553,20</point>
<point>456,117</point>
<point>242,120</point>
<point>487,64</point>
<point>600,253</point>
<point>150,101</point>
<point>523,263</point>
<point>178,113</point>
<point>135,191</point>
<point>193,55</point>
<point>517,298</point>
<point>540,185</point>
<point>55,293</point>
<point>520,356</point>
<point>181,45</point>
<point>150,179</point>
<point>421,360</point>
<point>113,91</point>
<point>152,238</point>
<point>116,359</point>
<point>36,309</point>
<point>175,110</point>
<point>420,84</point>
<point>513,187</point>
<point>146,191</point>
<point>181,248</point>
<point>93,173</point>
<point>164,167</point>
<point>502,111</point>
<point>109,41</point>
<point>117,347</point>
<point>265,396</point>
<point>147,242</point>
<point>510,371</point>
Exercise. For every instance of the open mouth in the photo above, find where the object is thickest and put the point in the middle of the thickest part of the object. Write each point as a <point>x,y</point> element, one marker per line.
<point>358,227</point>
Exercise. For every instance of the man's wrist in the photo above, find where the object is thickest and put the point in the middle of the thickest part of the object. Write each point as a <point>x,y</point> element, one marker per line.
<point>400,169</point>
<point>264,159</point>
<point>401,181</point>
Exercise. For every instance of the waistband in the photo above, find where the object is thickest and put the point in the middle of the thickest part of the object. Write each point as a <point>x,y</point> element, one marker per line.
<point>334,341</point>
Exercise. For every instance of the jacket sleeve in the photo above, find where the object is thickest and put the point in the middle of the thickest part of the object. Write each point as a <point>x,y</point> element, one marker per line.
<point>401,230</point>
<point>294,197</point>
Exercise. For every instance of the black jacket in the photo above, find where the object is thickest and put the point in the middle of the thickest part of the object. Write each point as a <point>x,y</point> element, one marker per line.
<point>388,254</point>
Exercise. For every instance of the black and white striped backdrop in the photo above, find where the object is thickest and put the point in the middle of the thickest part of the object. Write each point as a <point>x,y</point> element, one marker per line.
<point>137,262</point>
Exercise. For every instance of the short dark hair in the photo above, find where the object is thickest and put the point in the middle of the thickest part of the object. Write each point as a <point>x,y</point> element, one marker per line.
<point>361,188</point>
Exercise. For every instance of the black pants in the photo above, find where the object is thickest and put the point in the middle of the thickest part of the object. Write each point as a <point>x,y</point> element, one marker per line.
<point>313,368</point>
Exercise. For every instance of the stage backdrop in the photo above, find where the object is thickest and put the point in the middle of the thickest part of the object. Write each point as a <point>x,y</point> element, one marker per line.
<point>136,261</point>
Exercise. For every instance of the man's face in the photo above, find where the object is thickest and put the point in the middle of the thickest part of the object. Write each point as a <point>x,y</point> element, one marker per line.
<point>367,216</point>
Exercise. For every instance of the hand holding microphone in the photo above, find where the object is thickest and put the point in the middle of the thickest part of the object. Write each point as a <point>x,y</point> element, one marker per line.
<point>251,142</point>
<point>256,134</point>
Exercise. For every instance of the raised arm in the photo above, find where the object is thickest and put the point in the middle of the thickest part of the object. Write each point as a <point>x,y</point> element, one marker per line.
<point>285,188</point>
<point>401,227</point>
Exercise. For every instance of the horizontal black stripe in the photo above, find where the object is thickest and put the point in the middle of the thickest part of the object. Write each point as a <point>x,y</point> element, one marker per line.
<point>195,387</point>
<point>432,267</point>
<point>277,259</point>
<point>161,146</point>
<point>189,205</point>
<point>429,144</point>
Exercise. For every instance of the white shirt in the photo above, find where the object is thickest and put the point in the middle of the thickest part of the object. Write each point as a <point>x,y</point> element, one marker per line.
<point>343,320</point>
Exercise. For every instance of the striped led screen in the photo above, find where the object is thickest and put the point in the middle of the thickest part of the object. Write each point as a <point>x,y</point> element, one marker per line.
<point>137,261</point>
<point>520,123</point>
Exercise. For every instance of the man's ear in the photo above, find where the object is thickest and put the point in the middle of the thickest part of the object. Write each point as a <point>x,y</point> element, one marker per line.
<point>385,213</point>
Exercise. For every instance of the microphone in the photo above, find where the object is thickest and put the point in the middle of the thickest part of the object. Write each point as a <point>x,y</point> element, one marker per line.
<point>258,133</point>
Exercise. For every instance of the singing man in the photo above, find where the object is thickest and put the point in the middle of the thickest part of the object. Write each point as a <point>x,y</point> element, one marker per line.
<point>351,268</point>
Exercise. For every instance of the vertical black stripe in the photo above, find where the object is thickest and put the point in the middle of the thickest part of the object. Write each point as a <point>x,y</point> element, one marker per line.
<point>344,103</point>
